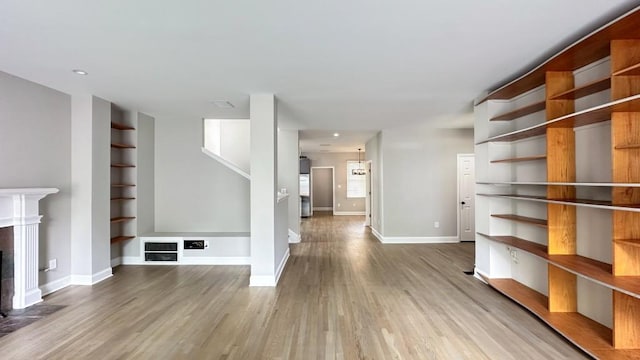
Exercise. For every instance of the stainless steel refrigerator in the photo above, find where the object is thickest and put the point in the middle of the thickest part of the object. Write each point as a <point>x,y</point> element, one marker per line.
<point>305,203</point>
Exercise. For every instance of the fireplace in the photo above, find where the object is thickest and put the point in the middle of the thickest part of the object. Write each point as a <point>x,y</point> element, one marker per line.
<point>6,269</point>
<point>19,243</point>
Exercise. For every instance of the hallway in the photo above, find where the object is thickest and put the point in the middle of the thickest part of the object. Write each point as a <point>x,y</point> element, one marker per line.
<point>343,295</point>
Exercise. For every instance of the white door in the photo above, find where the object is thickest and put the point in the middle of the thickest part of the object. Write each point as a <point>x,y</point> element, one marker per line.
<point>466,196</point>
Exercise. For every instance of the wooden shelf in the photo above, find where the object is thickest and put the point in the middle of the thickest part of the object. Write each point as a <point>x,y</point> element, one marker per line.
<point>119,126</point>
<point>122,185</point>
<point>526,245</point>
<point>121,219</point>
<point>122,198</point>
<point>630,242</point>
<point>522,219</point>
<point>122,146</point>
<point>545,183</point>
<point>589,49</point>
<point>590,336</point>
<point>117,165</point>
<point>512,115</point>
<point>118,239</point>
<point>519,159</point>
<point>633,70</point>
<point>592,115</point>
<point>587,268</point>
<point>584,90</point>
<point>598,204</point>
<point>628,146</point>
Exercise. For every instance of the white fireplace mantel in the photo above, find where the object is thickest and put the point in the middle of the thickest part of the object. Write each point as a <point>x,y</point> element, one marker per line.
<point>20,208</point>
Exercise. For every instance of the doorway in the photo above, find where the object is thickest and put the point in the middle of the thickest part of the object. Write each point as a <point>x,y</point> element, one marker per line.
<point>322,189</point>
<point>466,197</point>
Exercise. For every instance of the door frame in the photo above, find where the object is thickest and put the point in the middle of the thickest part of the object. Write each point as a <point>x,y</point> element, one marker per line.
<point>458,158</point>
<point>368,202</point>
<point>333,188</point>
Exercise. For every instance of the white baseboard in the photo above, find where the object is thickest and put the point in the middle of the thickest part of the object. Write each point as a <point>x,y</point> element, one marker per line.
<point>377,234</point>
<point>419,239</point>
<point>414,239</point>
<point>339,213</point>
<point>478,274</point>
<point>282,265</point>
<point>116,262</point>
<point>31,297</point>
<point>293,237</point>
<point>191,260</point>
<point>131,260</point>
<point>219,260</point>
<point>91,279</point>
<point>55,285</point>
<point>262,280</point>
<point>322,208</point>
<point>270,280</point>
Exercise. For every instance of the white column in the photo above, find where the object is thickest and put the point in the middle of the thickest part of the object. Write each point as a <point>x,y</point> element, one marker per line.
<point>20,208</point>
<point>263,189</point>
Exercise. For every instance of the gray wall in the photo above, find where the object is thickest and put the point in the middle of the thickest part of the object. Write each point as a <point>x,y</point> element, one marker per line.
<point>339,162</point>
<point>374,155</point>
<point>288,170</point>
<point>35,133</point>
<point>322,192</point>
<point>420,179</point>
<point>194,193</point>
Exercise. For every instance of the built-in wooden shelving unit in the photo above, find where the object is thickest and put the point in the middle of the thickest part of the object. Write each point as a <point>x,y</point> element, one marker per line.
<point>121,219</point>
<point>512,115</point>
<point>564,264</point>
<point>589,116</point>
<point>584,90</point>
<point>122,146</point>
<point>520,159</point>
<point>123,191</point>
<point>118,239</point>
<point>522,219</point>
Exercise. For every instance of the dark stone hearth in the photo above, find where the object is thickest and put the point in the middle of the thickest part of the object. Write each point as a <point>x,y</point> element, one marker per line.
<point>18,319</point>
<point>6,281</point>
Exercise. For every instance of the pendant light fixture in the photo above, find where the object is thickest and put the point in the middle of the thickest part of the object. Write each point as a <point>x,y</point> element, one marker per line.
<point>360,170</point>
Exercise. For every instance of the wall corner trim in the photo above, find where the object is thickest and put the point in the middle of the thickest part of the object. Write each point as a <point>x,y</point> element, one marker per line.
<point>294,238</point>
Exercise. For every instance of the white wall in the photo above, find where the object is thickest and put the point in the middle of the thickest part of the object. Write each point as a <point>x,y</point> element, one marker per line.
<point>339,162</point>
<point>194,193</point>
<point>288,170</point>
<point>420,179</point>
<point>35,133</point>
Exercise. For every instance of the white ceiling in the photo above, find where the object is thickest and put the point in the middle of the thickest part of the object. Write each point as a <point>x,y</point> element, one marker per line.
<point>345,66</point>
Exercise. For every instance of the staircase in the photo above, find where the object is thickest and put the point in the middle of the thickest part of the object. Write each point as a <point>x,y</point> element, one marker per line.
<point>227,141</point>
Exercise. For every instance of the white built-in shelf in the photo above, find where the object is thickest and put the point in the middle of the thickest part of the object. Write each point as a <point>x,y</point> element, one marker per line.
<point>592,115</point>
<point>546,183</point>
<point>520,159</point>
<point>598,204</point>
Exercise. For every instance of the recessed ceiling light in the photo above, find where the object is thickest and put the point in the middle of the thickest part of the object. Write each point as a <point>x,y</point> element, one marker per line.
<point>80,72</point>
<point>223,104</point>
<point>336,134</point>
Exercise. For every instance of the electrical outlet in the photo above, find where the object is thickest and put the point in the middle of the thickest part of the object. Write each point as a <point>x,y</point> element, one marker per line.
<point>339,205</point>
<point>354,204</point>
<point>53,264</point>
<point>514,255</point>
<point>436,224</point>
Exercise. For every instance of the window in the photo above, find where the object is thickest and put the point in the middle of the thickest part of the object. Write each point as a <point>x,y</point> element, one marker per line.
<point>356,184</point>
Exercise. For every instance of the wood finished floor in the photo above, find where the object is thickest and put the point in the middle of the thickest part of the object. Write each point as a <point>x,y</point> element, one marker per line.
<point>343,295</point>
